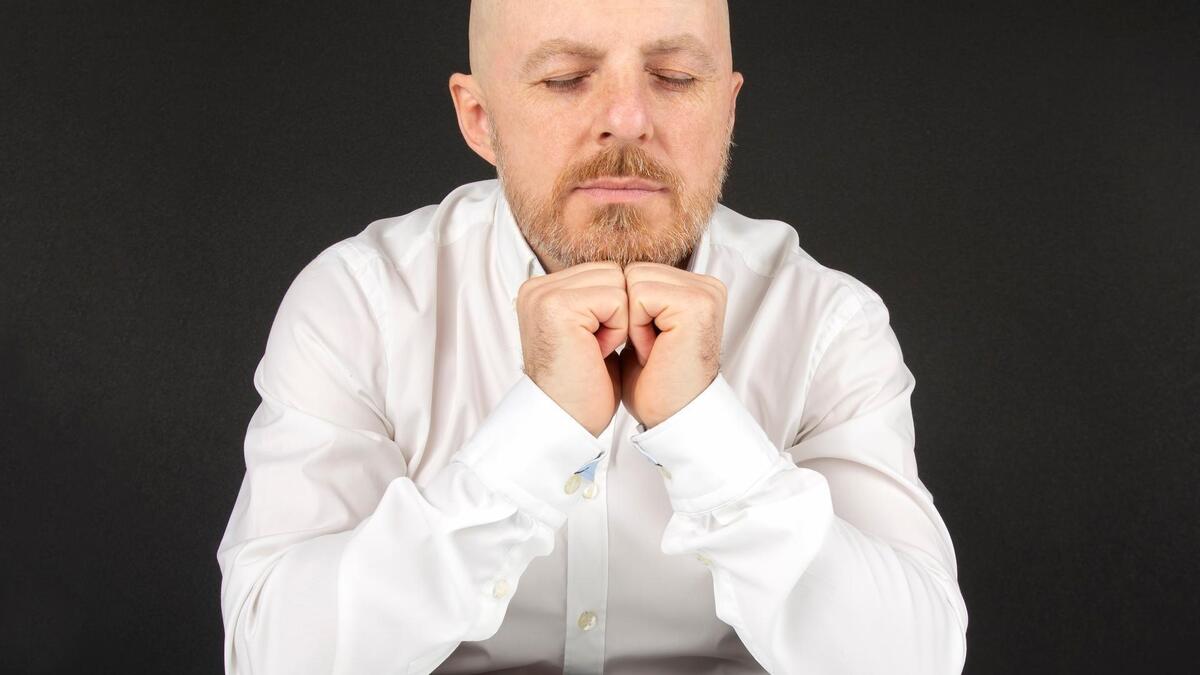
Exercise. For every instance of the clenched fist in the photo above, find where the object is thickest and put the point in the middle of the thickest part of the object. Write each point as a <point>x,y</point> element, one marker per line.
<point>676,319</point>
<point>572,321</point>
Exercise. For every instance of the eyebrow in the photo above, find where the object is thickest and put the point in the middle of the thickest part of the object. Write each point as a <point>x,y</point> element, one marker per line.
<point>684,42</point>
<point>558,47</point>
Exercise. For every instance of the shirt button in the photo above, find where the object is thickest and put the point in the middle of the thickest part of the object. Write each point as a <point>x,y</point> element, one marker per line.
<point>704,560</point>
<point>500,589</point>
<point>572,484</point>
<point>587,621</point>
<point>590,491</point>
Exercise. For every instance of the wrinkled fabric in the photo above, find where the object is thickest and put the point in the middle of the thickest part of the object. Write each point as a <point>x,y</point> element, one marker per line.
<point>413,502</point>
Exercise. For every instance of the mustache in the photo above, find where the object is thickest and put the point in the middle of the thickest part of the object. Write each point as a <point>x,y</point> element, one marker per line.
<point>621,161</point>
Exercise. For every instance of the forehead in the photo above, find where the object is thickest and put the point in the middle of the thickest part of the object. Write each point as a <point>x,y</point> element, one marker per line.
<point>521,29</point>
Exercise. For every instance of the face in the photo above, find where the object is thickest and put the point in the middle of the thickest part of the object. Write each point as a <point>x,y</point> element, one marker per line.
<point>610,123</point>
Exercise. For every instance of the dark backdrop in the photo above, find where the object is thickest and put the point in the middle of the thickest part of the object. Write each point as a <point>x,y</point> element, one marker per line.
<point>1018,181</point>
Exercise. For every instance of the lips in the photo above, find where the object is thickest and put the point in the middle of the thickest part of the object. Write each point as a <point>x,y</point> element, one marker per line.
<point>621,184</point>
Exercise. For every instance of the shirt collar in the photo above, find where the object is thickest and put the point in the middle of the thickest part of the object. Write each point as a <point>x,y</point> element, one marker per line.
<point>518,262</point>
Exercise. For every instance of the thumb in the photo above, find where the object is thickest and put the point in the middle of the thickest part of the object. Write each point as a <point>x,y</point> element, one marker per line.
<point>642,338</point>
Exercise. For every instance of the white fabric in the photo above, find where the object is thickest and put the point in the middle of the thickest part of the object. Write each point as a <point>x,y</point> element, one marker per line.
<point>410,501</point>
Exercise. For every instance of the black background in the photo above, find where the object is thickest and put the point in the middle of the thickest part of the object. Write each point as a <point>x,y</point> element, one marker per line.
<point>1018,181</point>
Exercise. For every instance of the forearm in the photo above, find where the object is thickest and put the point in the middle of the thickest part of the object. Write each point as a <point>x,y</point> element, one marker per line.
<point>310,585</point>
<point>429,569</point>
<point>806,590</point>
<point>809,592</point>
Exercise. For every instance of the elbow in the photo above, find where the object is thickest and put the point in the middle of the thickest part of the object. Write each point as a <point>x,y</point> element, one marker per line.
<point>247,608</point>
<point>940,614</point>
<point>279,606</point>
<point>957,638</point>
<point>241,596</point>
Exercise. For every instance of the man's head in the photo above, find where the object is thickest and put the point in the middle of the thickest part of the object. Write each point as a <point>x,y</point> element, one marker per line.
<point>570,98</point>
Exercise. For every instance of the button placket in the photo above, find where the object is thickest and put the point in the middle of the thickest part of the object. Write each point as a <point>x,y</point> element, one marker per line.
<point>587,566</point>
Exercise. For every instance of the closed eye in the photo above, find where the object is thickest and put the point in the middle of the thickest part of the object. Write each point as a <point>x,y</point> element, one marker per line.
<point>676,82</point>
<point>567,83</point>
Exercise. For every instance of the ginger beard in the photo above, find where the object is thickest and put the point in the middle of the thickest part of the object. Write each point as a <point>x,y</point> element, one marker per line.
<point>621,232</point>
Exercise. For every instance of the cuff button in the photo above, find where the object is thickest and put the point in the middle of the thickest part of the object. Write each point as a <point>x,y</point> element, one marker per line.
<point>572,484</point>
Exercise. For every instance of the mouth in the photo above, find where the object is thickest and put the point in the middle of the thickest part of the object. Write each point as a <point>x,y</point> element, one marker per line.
<point>620,189</point>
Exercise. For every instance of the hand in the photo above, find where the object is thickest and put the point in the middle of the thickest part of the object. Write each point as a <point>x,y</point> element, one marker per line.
<point>571,323</point>
<point>676,319</point>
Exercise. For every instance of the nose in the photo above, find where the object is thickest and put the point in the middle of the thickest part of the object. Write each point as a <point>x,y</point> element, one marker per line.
<point>625,114</point>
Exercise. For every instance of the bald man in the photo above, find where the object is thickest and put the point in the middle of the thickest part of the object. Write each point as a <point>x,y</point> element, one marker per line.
<point>583,417</point>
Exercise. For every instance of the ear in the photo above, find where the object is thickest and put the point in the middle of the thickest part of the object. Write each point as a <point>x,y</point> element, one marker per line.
<point>735,86</point>
<point>473,120</point>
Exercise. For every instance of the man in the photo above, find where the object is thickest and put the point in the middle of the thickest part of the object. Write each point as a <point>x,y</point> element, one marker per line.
<point>442,473</point>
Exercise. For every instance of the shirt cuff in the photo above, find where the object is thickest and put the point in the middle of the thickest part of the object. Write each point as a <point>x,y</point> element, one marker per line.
<point>711,451</point>
<point>527,449</point>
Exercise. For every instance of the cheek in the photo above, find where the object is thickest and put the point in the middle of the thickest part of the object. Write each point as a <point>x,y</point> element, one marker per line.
<point>542,157</point>
<point>695,143</point>
<point>697,159</point>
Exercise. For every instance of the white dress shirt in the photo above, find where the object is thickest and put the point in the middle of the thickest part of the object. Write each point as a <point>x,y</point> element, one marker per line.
<point>414,502</point>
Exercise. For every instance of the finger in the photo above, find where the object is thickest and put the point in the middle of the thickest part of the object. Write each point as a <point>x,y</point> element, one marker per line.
<point>537,288</point>
<point>641,329</point>
<point>604,312</point>
<point>657,303</point>
<point>644,271</point>
<point>602,269</point>
<point>613,329</point>
<point>630,372</point>
<point>596,277</point>
<point>596,305</point>
<point>642,339</point>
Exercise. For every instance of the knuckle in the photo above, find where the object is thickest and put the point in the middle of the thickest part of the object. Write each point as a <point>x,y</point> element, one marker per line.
<point>529,290</point>
<point>639,288</point>
<point>699,295</point>
<point>554,301</point>
<point>613,293</point>
<point>524,290</point>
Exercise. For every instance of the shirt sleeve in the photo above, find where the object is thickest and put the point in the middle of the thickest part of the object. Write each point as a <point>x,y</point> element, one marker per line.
<point>828,556</point>
<point>333,559</point>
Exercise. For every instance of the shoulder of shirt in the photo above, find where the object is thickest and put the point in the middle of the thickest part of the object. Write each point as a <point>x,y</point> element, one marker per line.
<point>766,247</point>
<point>398,241</point>
<point>771,249</point>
